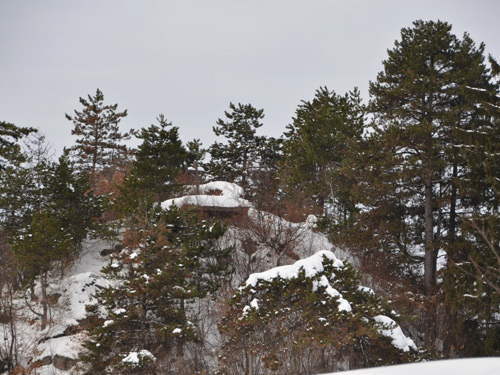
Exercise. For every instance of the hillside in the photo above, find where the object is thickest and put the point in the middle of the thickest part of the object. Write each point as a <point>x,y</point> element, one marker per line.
<point>56,349</point>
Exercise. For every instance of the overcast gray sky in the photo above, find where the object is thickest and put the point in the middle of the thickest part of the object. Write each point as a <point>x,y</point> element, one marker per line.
<point>188,59</point>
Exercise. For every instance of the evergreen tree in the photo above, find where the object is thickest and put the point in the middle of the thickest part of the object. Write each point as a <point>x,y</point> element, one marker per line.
<point>15,181</point>
<point>306,318</point>
<point>317,142</point>
<point>423,106</point>
<point>267,194</point>
<point>159,160</point>
<point>9,148</point>
<point>38,161</point>
<point>70,198</point>
<point>38,250</point>
<point>472,286</point>
<point>472,278</point>
<point>96,126</point>
<point>170,260</point>
<point>52,215</point>
<point>14,175</point>
<point>240,156</point>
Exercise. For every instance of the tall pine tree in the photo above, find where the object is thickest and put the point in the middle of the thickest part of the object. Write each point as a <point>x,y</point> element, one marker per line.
<point>99,139</point>
<point>423,106</point>
<point>159,161</point>
<point>235,160</point>
<point>316,144</point>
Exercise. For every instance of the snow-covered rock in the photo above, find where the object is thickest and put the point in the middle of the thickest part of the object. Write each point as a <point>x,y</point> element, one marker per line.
<point>219,194</point>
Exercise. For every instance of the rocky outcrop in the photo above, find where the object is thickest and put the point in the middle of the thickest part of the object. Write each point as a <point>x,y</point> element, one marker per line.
<point>63,363</point>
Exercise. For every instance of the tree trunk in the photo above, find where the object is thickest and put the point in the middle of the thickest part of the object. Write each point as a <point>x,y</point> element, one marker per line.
<point>44,301</point>
<point>12,356</point>
<point>430,253</point>
<point>453,203</point>
<point>196,178</point>
<point>180,343</point>
<point>249,362</point>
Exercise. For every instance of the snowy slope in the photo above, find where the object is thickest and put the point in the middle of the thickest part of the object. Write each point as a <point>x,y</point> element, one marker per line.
<point>60,343</point>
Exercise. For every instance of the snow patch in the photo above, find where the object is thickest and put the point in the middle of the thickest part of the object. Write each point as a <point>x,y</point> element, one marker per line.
<point>206,201</point>
<point>389,328</point>
<point>135,357</point>
<point>311,266</point>
<point>227,189</point>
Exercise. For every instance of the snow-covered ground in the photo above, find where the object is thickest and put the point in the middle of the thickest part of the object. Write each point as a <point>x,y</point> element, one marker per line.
<point>469,366</point>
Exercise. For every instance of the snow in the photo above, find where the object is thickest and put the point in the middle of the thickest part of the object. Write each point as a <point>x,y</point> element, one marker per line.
<point>475,88</point>
<point>311,266</point>
<point>469,366</point>
<point>198,168</point>
<point>135,357</point>
<point>230,196</point>
<point>206,201</point>
<point>74,292</point>
<point>255,303</point>
<point>365,289</point>
<point>67,346</point>
<point>78,291</point>
<point>344,305</point>
<point>311,222</point>
<point>389,328</point>
<point>227,189</point>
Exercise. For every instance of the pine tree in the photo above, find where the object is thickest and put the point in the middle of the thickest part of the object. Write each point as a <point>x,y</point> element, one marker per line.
<point>423,106</point>
<point>14,175</point>
<point>15,181</point>
<point>317,142</point>
<point>239,157</point>
<point>10,134</point>
<point>96,126</point>
<point>472,286</point>
<point>38,250</point>
<point>71,199</point>
<point>305,318</point>
<point>55,213</point>
<point>170,260</point>
<point>472,278</point>
<point>159,160</point>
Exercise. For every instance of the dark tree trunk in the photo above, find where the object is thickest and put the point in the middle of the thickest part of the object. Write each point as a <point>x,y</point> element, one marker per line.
<point>453,204</point>
<point>430,252</point>
<point>44,301</point>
